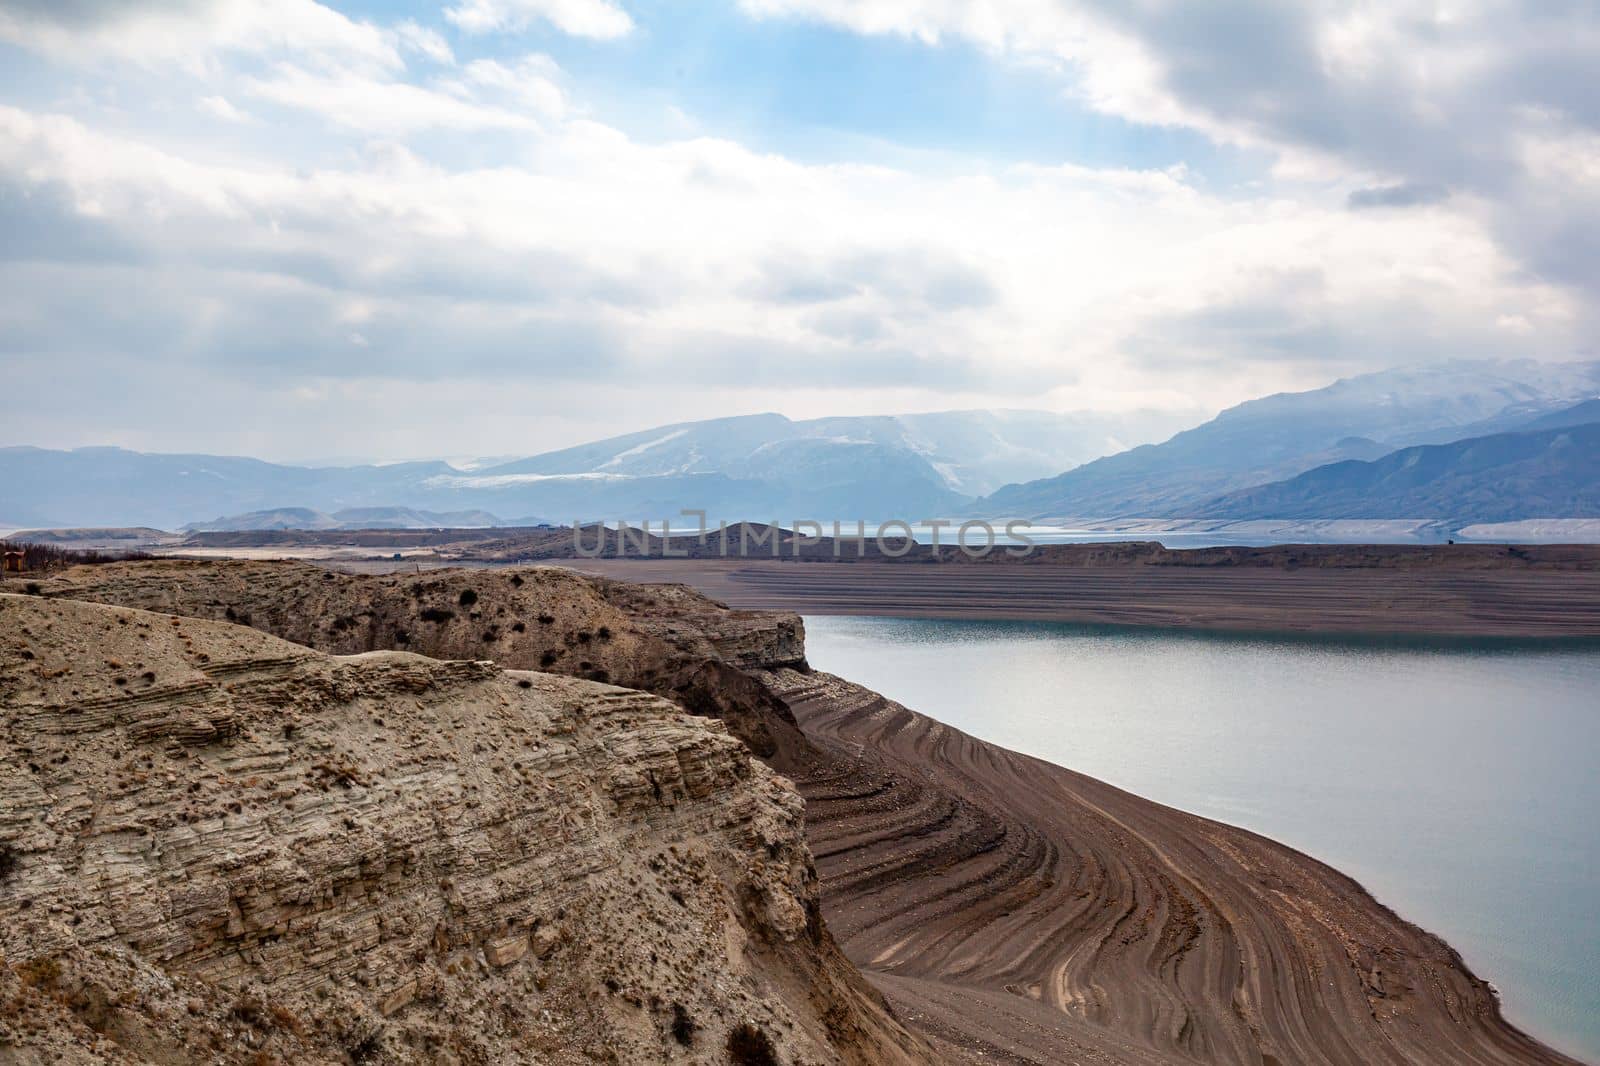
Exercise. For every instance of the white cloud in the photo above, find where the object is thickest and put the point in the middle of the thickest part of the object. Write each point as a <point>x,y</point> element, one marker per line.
<point>532,82</point>
<point>602,19</point>
<point>423,227</point>
<point>1402,103</point>
<point>702,261</point>
<point>380,105</point>
<point>161,32</point>
<point>423,41</point>
<point>218,107</point>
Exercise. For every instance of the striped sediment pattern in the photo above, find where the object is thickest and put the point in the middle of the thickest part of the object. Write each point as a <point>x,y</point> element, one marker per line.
<point>1017,911</point>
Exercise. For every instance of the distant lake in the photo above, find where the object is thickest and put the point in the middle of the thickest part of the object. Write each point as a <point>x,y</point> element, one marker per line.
<point>1455,779</point>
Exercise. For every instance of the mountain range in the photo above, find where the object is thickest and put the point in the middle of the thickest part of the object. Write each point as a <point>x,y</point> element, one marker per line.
<point>1462,442</point>
<point>1199,471</point>
<point>761,466</point>
<point>1501,478</point>
<point>355,518</point>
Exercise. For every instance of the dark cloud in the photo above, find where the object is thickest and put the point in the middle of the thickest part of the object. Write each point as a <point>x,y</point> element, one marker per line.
<point>1402,194</point>
<point>38,223</point>
<point>81,14</point>
<point>1294,324</point>
<point>912,279</point>
<point>1524,70</point>
<point>843,324</point>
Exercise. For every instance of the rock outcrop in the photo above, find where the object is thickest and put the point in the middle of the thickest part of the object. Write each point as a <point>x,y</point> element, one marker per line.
<point>219,846</point>
<point>665,639</point>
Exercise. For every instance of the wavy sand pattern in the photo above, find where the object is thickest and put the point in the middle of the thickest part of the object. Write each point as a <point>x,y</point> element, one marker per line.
<point>1018,911</point>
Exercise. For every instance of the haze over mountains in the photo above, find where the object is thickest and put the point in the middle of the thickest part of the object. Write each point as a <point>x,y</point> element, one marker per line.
<point>1281,436</point>
<point>1397,444</point>
<point>356,518</point>
<point>757,466</point>
<point>1501,478</point>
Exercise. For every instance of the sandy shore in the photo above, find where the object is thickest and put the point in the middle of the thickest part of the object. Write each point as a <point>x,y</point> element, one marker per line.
<point>1508,603</point>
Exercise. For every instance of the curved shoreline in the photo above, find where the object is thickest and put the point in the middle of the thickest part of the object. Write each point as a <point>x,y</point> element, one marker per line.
<point>967,880</point>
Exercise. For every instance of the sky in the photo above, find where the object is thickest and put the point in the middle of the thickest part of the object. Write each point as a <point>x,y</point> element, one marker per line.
<point>308,230</point>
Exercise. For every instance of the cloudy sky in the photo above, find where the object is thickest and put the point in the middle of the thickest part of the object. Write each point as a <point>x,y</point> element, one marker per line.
<point>306,230</point>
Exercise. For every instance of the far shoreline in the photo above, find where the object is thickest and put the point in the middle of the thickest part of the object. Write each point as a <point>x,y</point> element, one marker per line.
<point>1337,602</point>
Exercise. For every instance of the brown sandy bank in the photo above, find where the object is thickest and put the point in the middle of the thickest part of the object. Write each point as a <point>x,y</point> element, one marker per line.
<point>1465,602</point>
<point>1016,911</point>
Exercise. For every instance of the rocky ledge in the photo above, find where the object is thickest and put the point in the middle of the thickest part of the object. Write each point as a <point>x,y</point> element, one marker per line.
<point>216,845</point>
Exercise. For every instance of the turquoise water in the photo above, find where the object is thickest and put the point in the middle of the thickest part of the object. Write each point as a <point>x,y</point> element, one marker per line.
<point>1456,780</point>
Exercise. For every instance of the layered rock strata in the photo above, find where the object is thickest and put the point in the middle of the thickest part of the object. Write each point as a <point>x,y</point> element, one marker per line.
<point>216,845</point>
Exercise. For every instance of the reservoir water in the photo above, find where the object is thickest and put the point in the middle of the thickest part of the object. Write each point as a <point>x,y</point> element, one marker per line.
<point>1455,779</point>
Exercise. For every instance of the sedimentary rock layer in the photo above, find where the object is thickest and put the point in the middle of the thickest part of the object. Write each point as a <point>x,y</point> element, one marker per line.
<point>216,845</point>
<point>1017,911</point>
<point>662,639</point>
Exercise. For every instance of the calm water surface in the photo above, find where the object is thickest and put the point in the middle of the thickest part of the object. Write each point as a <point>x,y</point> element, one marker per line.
<point>1456,780</point>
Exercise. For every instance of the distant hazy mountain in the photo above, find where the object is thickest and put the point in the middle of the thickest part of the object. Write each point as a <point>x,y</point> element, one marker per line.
<point>353,518</point>
<point>113,486</point>
<point>966,452</point>
<point>1577,415</point>
<point>1549,473</point>
<point>1279,436</point>
<point>755,467</point>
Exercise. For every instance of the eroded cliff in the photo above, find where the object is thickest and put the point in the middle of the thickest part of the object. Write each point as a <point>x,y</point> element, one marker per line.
<point>216,845</point>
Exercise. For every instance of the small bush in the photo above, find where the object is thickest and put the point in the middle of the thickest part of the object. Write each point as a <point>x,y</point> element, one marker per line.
<point>749,1046</point>
<point>548,658</point>
<point>519,627</point>
<point>436,615</point>
<point>42,972</point>
<point>248,1010</point>
<point>467,598</point>
<point>683,1026</point>
<point>364,1048</point>
<point>9,861</point>
<point>547,619</point>
<point>516,581</point>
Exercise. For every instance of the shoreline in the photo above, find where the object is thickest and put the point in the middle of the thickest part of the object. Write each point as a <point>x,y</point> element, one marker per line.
<point>937,934</point>
<point>1496,932</point>
<point>1531,604</point>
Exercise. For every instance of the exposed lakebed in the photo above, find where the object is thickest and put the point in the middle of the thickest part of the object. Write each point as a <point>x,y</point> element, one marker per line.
<point>1455,779</point>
